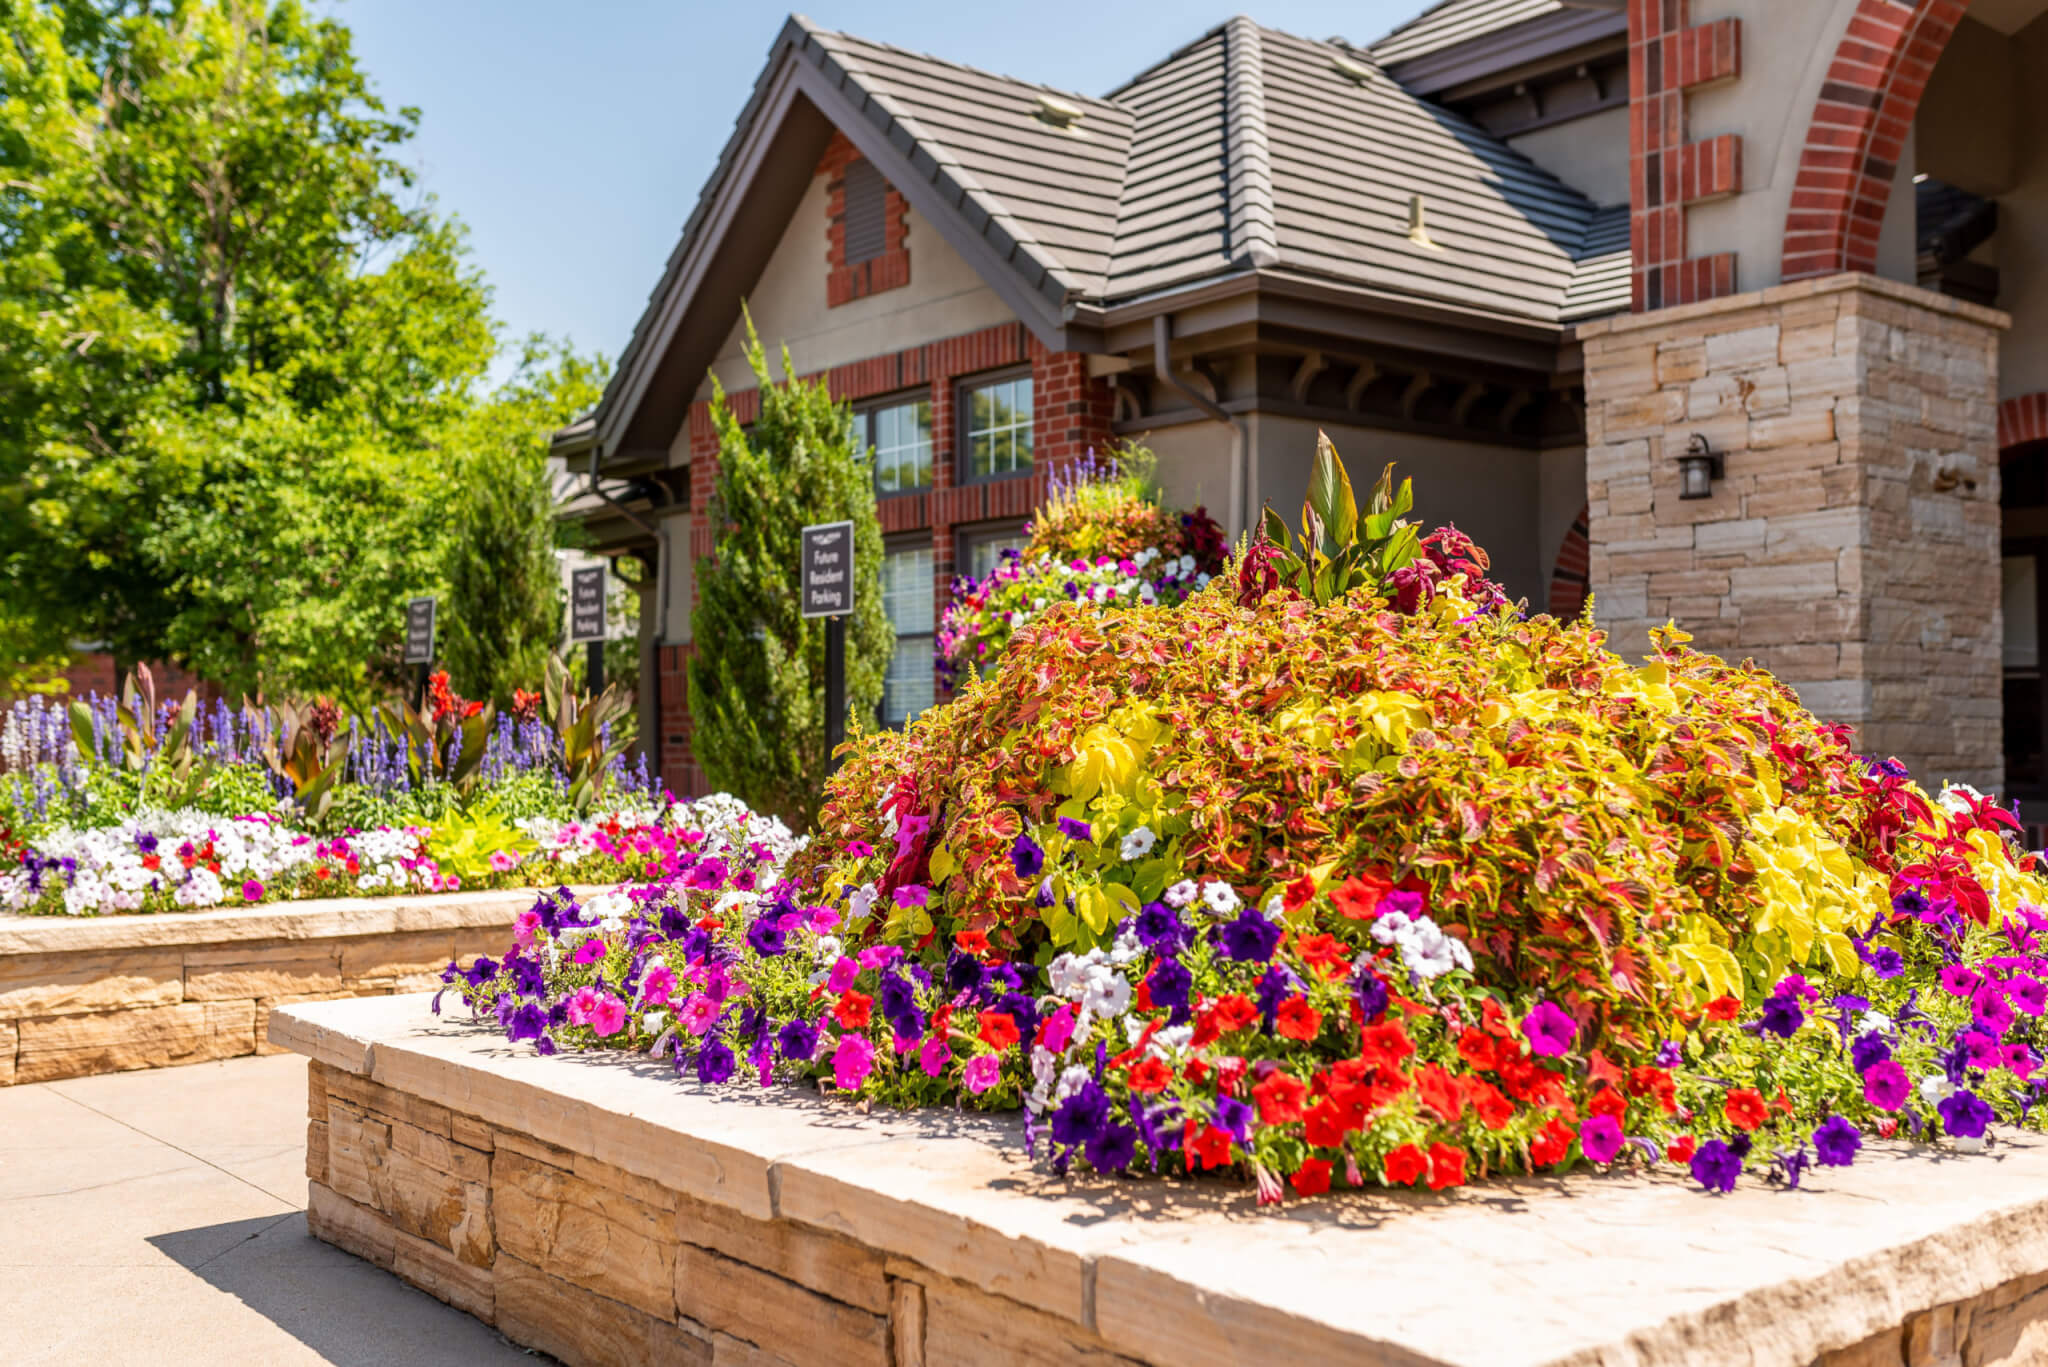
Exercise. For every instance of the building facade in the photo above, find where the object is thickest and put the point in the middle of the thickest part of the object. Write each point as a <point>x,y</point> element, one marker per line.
<point>1534,251</point>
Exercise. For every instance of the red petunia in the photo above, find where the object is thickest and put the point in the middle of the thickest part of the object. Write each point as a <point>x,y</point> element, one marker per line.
<point>1280,1098</point>
<point>1745,1108</point>
<point>1299,1020</point>
<point>1608,1101</point>
<point>1151,1074</point>
<point>1479,1050</point>
<point>999,1029</point>
<point>1724,1009</point>
<point>1235,1012</point>
<point>971,941</point>
<point>1299,893</point>
<point>1552,1144</point>
<point>1439,1091</point>
<point>1206,1146</point>
<point>1359,898</point>
<point>1404,1165</point>
<point>1312,1178</point>
<point>1323,953</point>
<point>1385,1045</point>
<point>1682,1149</point>
<point>1324,1124</point>
<point>1494,1109</point>
<point>1657,1083</point>
<point>853,1009</point>
<point>1446,1167</point>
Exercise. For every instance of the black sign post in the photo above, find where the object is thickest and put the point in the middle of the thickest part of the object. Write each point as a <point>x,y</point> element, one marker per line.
<point>827,592</point>
<point>586,620</point>
<point>419,643</point>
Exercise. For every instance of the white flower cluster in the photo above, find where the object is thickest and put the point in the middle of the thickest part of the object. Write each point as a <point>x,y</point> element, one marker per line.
<point>1092,980</point>
<point>735,825</point>
<point>111,868</point>
<point>1217,897</point>
<point>1428,952</point>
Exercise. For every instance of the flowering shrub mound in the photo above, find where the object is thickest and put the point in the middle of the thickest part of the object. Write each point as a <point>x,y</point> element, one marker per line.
<point>1345,872</point>
<point>1101,540</point>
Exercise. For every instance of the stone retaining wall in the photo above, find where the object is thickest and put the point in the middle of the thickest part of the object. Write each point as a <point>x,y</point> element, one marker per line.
<point>107,994</point>
<point>604,1212</point>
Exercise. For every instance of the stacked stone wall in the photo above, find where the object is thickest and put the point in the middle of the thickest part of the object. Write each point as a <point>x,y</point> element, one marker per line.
<point>1852,546</point>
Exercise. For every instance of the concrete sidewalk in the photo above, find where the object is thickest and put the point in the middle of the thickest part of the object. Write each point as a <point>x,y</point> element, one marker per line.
<point>158,1217</point>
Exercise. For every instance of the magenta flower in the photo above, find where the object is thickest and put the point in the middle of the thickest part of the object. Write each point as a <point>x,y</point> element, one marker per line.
<point>608,1016</point>
<point>589,952</point>
<point>1550,1031</point>
<point>913,895</point>
<point>981,1073</point>
<point>252,891</point>
<point>842,975</point>
<point>2028,995</point>
<point>934,1057</point>
<point>1886,1085</point>
<point>523,927</point>
<point>1960,981</point>
<point>851,1061</point>
<point>658,986</point>
<point>1600,1138</point>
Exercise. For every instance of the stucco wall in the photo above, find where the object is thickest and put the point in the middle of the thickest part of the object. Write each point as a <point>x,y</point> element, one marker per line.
<point>1589,154</point>
<point>944,298</point>
<point>2022,240</point>
<point>1194,466</point>
<point>1560,498</point>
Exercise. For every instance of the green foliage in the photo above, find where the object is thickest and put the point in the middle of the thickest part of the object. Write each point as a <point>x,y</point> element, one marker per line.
<point>757,675</point>
<point>504,610</point>
<point>464,841</point>
<point>308,748</point>
<point>584,726</point>
<point>236,346</point>
<point>1338,549</point>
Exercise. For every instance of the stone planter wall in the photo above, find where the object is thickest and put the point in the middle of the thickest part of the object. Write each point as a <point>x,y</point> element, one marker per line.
<point>604,1212</point>
<point>107,994</point>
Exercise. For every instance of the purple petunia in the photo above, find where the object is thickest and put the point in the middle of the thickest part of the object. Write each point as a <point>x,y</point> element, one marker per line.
<point>1965,1115</point>
<point>1836,1141</point>
<point>1716,1166</point>
<point>1959,981</point>
<point>1075,829</point>
<point>1868,1050</point>
<point>1027,857</point>
<point>1886,962</point>
<point>2028,995</point>
<point>715,1062</point>
<point>1782,1015</point>
<point>1549,1030</point>
<point>1249,938</point>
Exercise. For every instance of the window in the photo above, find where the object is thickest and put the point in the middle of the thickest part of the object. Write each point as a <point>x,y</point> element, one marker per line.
<point>902,437</point>
<point>999,428</point>
<point>907,599</point>
<point>867,212</point>
<point>982,551</point>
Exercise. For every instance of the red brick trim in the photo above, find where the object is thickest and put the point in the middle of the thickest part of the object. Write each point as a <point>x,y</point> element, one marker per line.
<point>1574,566</point>
<point>845,282</point>
<point>1858,132</point>
<point>2022,420</point>
<point>1669,57</point>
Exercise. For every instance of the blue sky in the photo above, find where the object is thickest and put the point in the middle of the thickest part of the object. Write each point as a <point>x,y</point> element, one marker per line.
<point>573,138</point>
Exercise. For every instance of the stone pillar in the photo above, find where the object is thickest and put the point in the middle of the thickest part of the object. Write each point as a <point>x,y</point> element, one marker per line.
<point>1853,545</point>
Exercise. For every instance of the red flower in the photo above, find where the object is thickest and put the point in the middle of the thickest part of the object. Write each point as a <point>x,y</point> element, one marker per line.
<point>1724,1009</point>
<point>1495,1021</point>
<point>1299,893</point>
<point>1324,1124</point>
<point>1682,1149</point>
<point>1745,1109</point>
<point>1494,1109</point>
<point>1404,1165</point>
<point>999,1029</point>
<point>1359,897</point>
<point>971,941</point>
<point>1654,1082</point>
<point>1150,1075</point>
<point>1280,1098</point>
<point>1312,1178</point>
<point>1194,1071</point>
<point>525,705</point>
<point>1210,1148</point>
<point>1229,1072</point>
<point>1439,1091</point>
<point>1607,1101</point>
<point>1299,1020</point>
<point>1235,1012</point>
<point>1479,1050</point>
<point>852,1010</point>
<point>1322,952</point>
<point>1446,1167</point>
<point>1552,1144</point>
<point>1385,1045</point>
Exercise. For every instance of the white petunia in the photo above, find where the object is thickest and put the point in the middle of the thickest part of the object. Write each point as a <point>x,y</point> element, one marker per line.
<point>1138,843</point>
<point>1220,897</point>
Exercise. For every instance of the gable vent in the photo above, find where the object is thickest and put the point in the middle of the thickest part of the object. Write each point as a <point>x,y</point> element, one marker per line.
<point>867,212</point>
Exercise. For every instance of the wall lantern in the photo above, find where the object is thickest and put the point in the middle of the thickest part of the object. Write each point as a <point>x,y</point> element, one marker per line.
<point>1698,468</point>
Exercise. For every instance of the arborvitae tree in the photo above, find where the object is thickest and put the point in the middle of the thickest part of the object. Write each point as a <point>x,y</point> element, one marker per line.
<point>757,679</point>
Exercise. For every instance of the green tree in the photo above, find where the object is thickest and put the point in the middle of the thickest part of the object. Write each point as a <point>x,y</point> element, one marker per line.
<point>504,608</point>
<point>757,691</point>
<point>237,346</point>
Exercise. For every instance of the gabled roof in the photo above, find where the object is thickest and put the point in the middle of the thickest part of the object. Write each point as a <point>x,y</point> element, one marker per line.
<point>1451,22</point>
<point>1248,151</point>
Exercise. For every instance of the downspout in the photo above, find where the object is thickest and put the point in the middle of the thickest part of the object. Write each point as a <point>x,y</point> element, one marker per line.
<point>648,724</point>
<point>1240,430</point>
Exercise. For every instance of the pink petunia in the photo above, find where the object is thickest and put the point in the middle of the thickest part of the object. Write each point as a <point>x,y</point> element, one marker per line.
<point>523,927</point>
<point>852,1060</point>
<point>608,1015</point>
<point>982,1072</point>
<point>658,986</point>
<point>842,975</point>
<point>934,1057</point>
<point>699,1014</point>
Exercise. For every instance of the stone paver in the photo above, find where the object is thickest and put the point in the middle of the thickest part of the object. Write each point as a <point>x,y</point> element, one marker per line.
<point>158,1217</point>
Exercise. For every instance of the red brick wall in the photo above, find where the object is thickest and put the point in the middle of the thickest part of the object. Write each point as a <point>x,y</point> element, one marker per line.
<point>1670,56</point>
<point>94,673</point>
<point>1858,132</point>
<point>1071,415</point>
<point>891,270</point>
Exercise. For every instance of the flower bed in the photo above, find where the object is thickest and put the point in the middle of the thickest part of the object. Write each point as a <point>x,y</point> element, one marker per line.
<point>606,1214</point>
<point>1346,873</point>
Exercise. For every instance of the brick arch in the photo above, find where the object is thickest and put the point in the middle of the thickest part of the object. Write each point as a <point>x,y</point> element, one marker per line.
<point>1568,580</point>
<point>1858,133</point>
<point>2020,421</point>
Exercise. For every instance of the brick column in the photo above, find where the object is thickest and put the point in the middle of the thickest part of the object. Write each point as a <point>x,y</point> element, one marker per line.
<point>1668,58</point>
<point>1853,546</point>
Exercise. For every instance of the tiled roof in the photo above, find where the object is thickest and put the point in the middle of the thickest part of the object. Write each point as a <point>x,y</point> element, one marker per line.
<point>1600,271</point>
<point>1451,22</point>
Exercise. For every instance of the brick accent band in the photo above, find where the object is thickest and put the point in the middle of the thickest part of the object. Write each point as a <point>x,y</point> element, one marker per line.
<point>1858,132</point>
<point>2022,420</point>
<point>1668,57</point>
<point>1568,578</point>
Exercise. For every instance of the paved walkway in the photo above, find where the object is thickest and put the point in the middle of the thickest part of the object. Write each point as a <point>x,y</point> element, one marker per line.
<point>157,1218</point>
